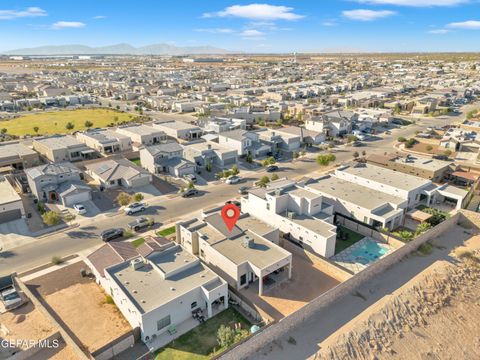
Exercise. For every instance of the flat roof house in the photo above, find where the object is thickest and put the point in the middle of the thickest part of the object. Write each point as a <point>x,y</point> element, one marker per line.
<point>60,182</point>
<point>118,172</point>
<point>179,130</point>
<point>160,293</point>
<point>143,135</point>
<point>372,207</point>
<point>11,205</point>
<point>424,167</point>
<point>60,148</point>
<point>105,141</point>
<point>304,216</point>
<point>166,158</point>
<point>247,256</point>
<point>17,156</point>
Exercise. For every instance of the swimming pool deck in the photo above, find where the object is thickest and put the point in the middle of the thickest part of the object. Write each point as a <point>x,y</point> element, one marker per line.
<point>346,258</point>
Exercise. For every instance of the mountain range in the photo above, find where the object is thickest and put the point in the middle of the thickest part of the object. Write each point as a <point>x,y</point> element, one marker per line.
<point>118,49</point>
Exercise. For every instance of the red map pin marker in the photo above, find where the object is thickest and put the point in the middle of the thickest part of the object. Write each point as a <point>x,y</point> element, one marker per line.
<point>230,215</point>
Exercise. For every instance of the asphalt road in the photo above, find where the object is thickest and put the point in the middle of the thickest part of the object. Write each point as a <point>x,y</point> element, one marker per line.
<point>167,209</point>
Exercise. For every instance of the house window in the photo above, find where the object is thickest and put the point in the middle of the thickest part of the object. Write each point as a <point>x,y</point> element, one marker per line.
<point>268,206</point>
<point>243,279</point>
<point>163,322</point>
<point>202,253</point>
<point>193,305</point>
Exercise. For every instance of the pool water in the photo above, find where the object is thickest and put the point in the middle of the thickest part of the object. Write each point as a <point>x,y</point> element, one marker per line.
<point>368,252</point>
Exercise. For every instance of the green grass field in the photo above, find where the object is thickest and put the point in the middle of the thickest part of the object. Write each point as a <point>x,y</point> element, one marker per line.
<point>54,122</point>
<point>201,342</point>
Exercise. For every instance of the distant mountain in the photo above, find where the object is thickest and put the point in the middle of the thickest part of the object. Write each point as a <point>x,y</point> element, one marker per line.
<point>118,49</point>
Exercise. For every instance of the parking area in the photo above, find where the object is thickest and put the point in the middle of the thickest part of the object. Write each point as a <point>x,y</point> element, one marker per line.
<point>81,305</point>
<point>308,282</point>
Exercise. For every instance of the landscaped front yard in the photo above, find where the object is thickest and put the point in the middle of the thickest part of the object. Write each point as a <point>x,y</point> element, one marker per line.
<point>351,238</point>
<point>167,231</point>
<point>201,343</point>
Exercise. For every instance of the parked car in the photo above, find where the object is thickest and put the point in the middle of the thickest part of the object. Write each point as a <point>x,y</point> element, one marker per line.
<point>243,190</point>
<point>189,193</point>
<point>111,234</point>
<point>191,177</point>
<point>272,168</point>
<point>233,179</point>
<point>80,209</point>
<point>134,208</point>
<point>140,223</point>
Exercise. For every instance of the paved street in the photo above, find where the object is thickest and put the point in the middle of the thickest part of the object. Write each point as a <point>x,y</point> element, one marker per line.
<point>169,208</point>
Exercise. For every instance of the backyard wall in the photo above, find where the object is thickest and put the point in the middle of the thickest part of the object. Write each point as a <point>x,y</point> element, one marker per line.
<point>111,350</point>
<point>267,335</point>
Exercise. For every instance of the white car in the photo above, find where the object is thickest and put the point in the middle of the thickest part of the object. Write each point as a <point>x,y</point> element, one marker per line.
<point>134,208</point>
<point>80,209</point>
<point>233,180</point>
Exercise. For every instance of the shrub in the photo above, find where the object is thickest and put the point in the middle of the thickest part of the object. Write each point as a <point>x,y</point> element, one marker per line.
<point>57,260</point>
<point>410,142</point>
<point>425,226</point>
<point>274,177</point>
<point>51,218</point>
<point>405,235</point>
<point>325,159</point>
<point>225,336</point>
<point>429,147</point>
<point>425,249</point>
<point>41,208</point>
<point>263,181</point>
<point>437,216</point>
<point>401,139</point>
<point>356,154</point>
<point>123,199</point>
<point>138,197</point>
<point>109,300</point>
<point>351,138</point>
<point>235,170</point>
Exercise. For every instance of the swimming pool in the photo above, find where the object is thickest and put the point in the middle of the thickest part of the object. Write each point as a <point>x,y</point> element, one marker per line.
<point>368,252</point>
<point>361,254</point>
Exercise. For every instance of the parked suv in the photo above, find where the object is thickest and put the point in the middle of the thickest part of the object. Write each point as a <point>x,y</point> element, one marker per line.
<point>134,208</point>
<point>111,234</point>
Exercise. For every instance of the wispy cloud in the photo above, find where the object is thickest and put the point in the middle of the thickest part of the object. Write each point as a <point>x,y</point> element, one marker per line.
<point>28,12</point>
<point>331,22</point>
<point>257,12</point>
<point>469,25</point>
<point>216,30</point>
<point>67,25</point>
<point>439,31</point>
<point>252,34</point>
<point>415,3</point>
<point>99,17</point>
<point>367,15</point>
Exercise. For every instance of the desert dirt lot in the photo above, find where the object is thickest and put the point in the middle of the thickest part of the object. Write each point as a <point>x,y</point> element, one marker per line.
<point>25,322</point>
<point>307,283</point>
<point>425,307</point>
<point>80,303</point>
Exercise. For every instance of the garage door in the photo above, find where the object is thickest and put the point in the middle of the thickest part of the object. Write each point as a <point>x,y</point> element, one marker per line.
<point>230,161</point>
<point>141,181</point>
<point>10,215</point>
<point>76,198</point>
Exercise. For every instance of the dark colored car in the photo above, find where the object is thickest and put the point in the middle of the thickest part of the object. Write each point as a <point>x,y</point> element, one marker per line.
<point>272,168</point>
<point>140,223</point>
<point>190,192</point>
<point>242,190</point>
<point>111,234</point>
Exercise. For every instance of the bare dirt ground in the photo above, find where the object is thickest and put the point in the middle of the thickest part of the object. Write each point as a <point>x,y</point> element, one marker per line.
<point>80,306</point>
<point>426,307</point>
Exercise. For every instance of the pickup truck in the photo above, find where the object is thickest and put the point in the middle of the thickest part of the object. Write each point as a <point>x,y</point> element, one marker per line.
<point>140,223</point>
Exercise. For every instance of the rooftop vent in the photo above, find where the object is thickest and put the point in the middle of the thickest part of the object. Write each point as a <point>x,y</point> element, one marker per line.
<point>172,288</point>
<point>248,242</point>
<point>137,264</point>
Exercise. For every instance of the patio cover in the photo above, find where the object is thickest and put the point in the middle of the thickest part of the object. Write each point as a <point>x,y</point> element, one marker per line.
<point>419,215</point>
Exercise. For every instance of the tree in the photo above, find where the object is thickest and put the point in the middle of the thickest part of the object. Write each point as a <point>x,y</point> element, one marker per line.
<point>356,154</point>
<point>235,170</point>
<point>3,131</point>
<point>424,226</point>
<point>261,123</point>
<point>274,177</point>
<point>138,197</point>
<point>263,181</point>
<point>249,158</point>
<point>117,107</point>
<point>88,124</point>
<point>69,126</point>
<point>364,153</point>
<point>401,139</point>
<point>410,142</point>
<point>51,218</point>
<point>208,167</point>
<point>36,128</point>
<point>225,336</point>
<point>123,199</point>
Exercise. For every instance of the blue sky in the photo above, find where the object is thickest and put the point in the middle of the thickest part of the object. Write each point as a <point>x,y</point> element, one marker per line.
<point>263,26</point>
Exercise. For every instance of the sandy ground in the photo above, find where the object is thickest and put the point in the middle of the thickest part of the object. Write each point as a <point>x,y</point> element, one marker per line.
<point>26,322</point>
<point>424,307</point>
<point>82,307</point>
